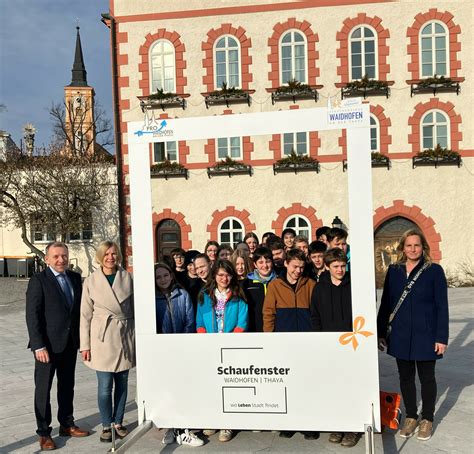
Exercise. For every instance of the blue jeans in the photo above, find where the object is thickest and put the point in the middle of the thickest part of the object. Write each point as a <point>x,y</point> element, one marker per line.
<point>104,396</point>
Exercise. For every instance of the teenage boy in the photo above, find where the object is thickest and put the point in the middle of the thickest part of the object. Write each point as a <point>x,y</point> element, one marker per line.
<point>255,287</point>
<point>301,243</point>
<point>316,255</point>
<point>286,306</point>
<point>338,238</point>
<point>321,233</point>
<point>277,247</point>
<point>331,310</point>
<point>179,268</point>
<point>288,235</point>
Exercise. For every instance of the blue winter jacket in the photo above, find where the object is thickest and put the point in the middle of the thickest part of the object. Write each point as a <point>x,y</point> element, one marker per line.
<point>422,319</point>
<point>177,315</point>
<point>235,316</point>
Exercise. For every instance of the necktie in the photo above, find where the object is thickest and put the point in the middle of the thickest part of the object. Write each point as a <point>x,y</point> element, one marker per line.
<point>65,288</point>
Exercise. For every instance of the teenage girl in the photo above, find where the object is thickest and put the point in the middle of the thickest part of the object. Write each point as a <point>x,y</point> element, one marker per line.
<point>174,314</point>
<point>222,309</point>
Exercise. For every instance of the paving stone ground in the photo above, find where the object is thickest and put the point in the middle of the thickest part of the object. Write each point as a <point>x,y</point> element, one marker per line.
<point>454,410</point>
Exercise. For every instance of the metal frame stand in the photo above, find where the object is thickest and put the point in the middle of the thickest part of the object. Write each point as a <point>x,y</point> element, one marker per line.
<point>132,437</point>
<point>370,435</point>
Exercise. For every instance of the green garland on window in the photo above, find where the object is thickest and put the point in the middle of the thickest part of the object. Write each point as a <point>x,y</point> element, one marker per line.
<point>438,152</point>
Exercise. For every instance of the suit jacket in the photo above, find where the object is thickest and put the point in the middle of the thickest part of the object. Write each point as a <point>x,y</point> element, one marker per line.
<point>49,317</point>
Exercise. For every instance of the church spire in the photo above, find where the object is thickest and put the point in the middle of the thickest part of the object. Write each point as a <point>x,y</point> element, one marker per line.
<point>79,73</point>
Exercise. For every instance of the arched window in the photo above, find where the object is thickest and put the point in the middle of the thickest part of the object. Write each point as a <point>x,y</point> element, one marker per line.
<point>162,60</point>
<point>362,52</point>
<point>293,57</point>
<point>434,129</point>
<point>227,61</point>
<point>230,231</point>
<point>295,142</point>
<point>300,225</point>
<point>374,134</point>
<point>434,50</point>
<point>229,147</point>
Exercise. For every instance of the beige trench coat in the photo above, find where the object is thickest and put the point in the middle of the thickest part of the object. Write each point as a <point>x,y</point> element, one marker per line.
<point>107,326</point>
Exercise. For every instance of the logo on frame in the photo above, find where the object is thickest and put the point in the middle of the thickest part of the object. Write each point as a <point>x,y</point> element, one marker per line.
<point>154,126</point>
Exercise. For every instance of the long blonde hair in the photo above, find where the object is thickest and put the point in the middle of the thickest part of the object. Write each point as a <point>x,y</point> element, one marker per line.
<point>401,257</point>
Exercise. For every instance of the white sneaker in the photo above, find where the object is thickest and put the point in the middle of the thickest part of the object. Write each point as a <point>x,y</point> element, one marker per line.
<point>225,435</point>
<point>169,437</point>
<point>188,438</point>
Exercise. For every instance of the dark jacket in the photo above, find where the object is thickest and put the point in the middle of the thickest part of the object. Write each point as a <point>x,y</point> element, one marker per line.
<point>255,291</point>
<point>49,317</point>
<point>175,315</point>
<point>331,305</point>
<point>286,309</point>
<point>193,286</point>
<point>422,319</point>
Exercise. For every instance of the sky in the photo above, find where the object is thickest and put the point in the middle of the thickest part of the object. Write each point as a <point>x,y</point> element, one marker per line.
<point>37,43</point>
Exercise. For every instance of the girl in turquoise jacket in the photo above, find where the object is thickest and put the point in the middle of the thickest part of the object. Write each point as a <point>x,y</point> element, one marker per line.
<point>222,308</point>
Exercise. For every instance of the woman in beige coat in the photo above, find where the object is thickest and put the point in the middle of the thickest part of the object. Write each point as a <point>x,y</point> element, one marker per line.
<point>107,334</point>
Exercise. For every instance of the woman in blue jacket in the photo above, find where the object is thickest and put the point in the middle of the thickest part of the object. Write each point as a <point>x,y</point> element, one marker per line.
<point>222,309</point>
<point>419,330</point>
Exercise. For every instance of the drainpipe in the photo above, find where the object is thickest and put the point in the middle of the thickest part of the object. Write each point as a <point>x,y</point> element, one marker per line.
<point>118,135</point>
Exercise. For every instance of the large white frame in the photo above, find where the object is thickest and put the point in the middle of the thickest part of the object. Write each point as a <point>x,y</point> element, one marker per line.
<point>332,378</point>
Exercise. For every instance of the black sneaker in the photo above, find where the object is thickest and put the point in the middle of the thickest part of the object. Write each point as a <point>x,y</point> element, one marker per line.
<point>286,433</point>
<point>311,435</point>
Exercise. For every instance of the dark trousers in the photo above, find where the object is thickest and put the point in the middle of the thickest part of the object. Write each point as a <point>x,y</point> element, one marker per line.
<point>426,374</point>
<point>64,366</point>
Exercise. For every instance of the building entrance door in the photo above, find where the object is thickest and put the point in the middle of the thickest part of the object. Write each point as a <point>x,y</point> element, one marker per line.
<point>168,237</point>
<point>385,245</point>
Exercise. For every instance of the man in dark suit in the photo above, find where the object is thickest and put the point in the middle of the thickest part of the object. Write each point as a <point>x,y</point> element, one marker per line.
<point>52,316</point>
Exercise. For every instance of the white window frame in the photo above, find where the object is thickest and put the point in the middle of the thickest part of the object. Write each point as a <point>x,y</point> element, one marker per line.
<point>292,44</point>
<point>297,227</point>
<point>375,127</point>
<point>294,143</point>
<point>161,56</point>
<point>81,238</point>
<point>166,145</point>
<point>49,236</point>
<point>435,135</point>
<point>362,40</point>
<point>433,48</point>
<point>214,55</point>
<point>44,232</point>
<point>231,231</point>
<point>239,158</point>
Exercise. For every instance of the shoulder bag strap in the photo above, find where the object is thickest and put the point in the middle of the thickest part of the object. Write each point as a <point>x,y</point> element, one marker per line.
<point>406,291</point>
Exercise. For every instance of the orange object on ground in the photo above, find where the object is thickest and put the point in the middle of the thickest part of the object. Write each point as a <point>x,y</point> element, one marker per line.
<point>390,409</point>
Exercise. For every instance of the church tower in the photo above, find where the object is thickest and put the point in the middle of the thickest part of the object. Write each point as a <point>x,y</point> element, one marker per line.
<point>79,103</point>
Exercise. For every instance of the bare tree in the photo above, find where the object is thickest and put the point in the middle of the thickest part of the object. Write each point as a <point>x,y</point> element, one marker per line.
<point>79,125</point>
<point>56,192</point>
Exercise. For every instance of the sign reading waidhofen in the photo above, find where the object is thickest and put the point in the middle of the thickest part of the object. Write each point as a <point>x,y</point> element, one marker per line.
<point>348,112</point>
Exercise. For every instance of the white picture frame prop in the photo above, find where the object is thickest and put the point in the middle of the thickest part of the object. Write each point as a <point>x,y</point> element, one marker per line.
<point>282,381</point>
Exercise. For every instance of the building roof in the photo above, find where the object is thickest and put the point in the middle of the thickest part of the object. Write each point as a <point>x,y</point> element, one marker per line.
<point>79,73</point>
